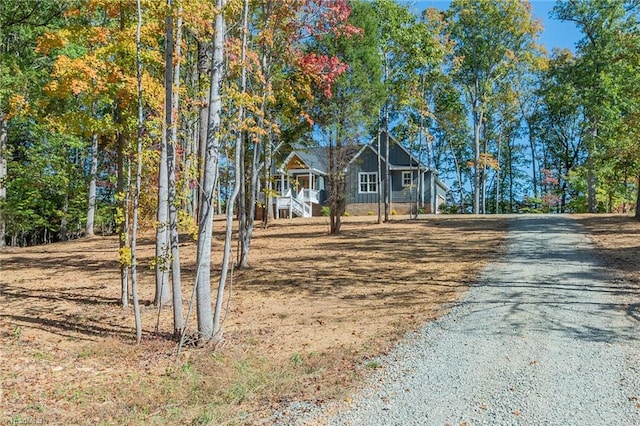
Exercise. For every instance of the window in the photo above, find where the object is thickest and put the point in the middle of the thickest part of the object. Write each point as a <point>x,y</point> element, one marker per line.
<point>368,183</point>
<point>406,178</point>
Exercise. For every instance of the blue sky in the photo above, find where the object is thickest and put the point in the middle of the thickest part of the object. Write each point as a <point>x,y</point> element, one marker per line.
<point>555,34</point>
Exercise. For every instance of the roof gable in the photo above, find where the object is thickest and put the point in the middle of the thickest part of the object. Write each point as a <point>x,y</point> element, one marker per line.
<point>399,156</point>
<point>312,158</point>
<point>295,162</point>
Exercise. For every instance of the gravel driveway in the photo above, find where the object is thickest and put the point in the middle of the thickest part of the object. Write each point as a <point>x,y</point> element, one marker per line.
<point>545,338</point>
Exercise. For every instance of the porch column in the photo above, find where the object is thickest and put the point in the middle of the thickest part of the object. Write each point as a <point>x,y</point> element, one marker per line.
<point>422,176</point>
<point>310,187</point>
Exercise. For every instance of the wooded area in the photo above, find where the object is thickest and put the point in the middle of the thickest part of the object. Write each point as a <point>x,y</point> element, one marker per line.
<point>123,115</point>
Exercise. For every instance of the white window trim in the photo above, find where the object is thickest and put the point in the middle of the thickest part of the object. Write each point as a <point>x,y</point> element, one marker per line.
<point>410,176</point>
<point>372,181</point>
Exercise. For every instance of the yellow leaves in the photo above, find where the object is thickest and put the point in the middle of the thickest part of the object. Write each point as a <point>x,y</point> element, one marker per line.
<point>486,160</point>
<point>510,55</point>
<point>198,16</point>
<point>124,256</point>
<point>17,105</point>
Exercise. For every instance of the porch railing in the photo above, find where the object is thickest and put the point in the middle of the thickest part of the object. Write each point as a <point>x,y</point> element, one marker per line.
<point>294,206</point>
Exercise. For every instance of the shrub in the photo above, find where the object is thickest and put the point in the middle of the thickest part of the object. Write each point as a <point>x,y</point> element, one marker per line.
<point>325,211</point>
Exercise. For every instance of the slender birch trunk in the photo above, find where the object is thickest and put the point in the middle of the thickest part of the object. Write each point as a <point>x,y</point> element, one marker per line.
<point>387,171</point>
<point>136,195</point>
<point>211,159</point>
<point>250,198</point>
<point>477,130</point>
<point>498,194</point>
<point>459,176</point>
<point>204,69</point>
<point>269,216</point>
<point>226,257</point>
<point>4,125</point>
<point>249,217</point>
<point>637,215</point>
<point>172,143</point>
<point>123,218</point>
<point>93,172</point>
<point>379,180</point>
<point>162,266</point>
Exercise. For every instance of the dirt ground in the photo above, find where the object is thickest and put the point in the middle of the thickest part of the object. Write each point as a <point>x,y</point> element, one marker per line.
<point>304,322</point>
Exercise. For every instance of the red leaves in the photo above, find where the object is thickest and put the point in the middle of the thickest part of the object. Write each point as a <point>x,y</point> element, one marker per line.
<point>323,69</point>
<point>548,178</point>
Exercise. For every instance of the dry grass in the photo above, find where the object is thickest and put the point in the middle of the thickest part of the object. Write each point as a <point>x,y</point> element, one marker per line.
<point>618,240</point>
<point>311,308</point>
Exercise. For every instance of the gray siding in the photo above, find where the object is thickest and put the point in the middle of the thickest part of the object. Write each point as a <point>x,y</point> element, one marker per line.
<point>367,162</point>
<point>405,194</point>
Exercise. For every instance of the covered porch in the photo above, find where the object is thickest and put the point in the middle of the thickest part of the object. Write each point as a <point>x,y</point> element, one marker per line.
<point>300,189</point>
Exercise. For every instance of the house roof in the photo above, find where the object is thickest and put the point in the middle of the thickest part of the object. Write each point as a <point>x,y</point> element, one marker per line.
<point>373,146</point>
<point>316,157</point>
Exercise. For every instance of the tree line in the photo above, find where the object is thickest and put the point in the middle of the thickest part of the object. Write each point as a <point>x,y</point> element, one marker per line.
<point>121,115</point>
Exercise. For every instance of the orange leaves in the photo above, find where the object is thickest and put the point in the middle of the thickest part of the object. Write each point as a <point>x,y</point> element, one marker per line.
<point>73,76</point>
<point>99,35</point>
<point>51,41</point>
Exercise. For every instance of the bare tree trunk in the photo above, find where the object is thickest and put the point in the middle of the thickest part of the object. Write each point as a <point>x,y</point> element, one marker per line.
<point>192,146</point>
<point>267,141</point>
<point>123,216</point>
<point>638,199</point>
<point>379,180</point>
<point>63,233</point>
<point>498,194</point>
<point>477,130</point>
<point>211,159</point>
<point>387,170</point>
<point>251,214</point>
<point>534,169</point>
<point>476,166</point>
<point>337,187</point>
<point>239,178</point>
<point>136,195</point>
<point>163,247</point>
<point>93,172</point>
<point>483,180</point>
<point>268,189</point>
<point>4,125</point>
<point>387,173</point>
<point>204,69</point>
<point>172,143</point>
<point>591,177</point>
<point>460,185</point>
<point>511,191</point>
